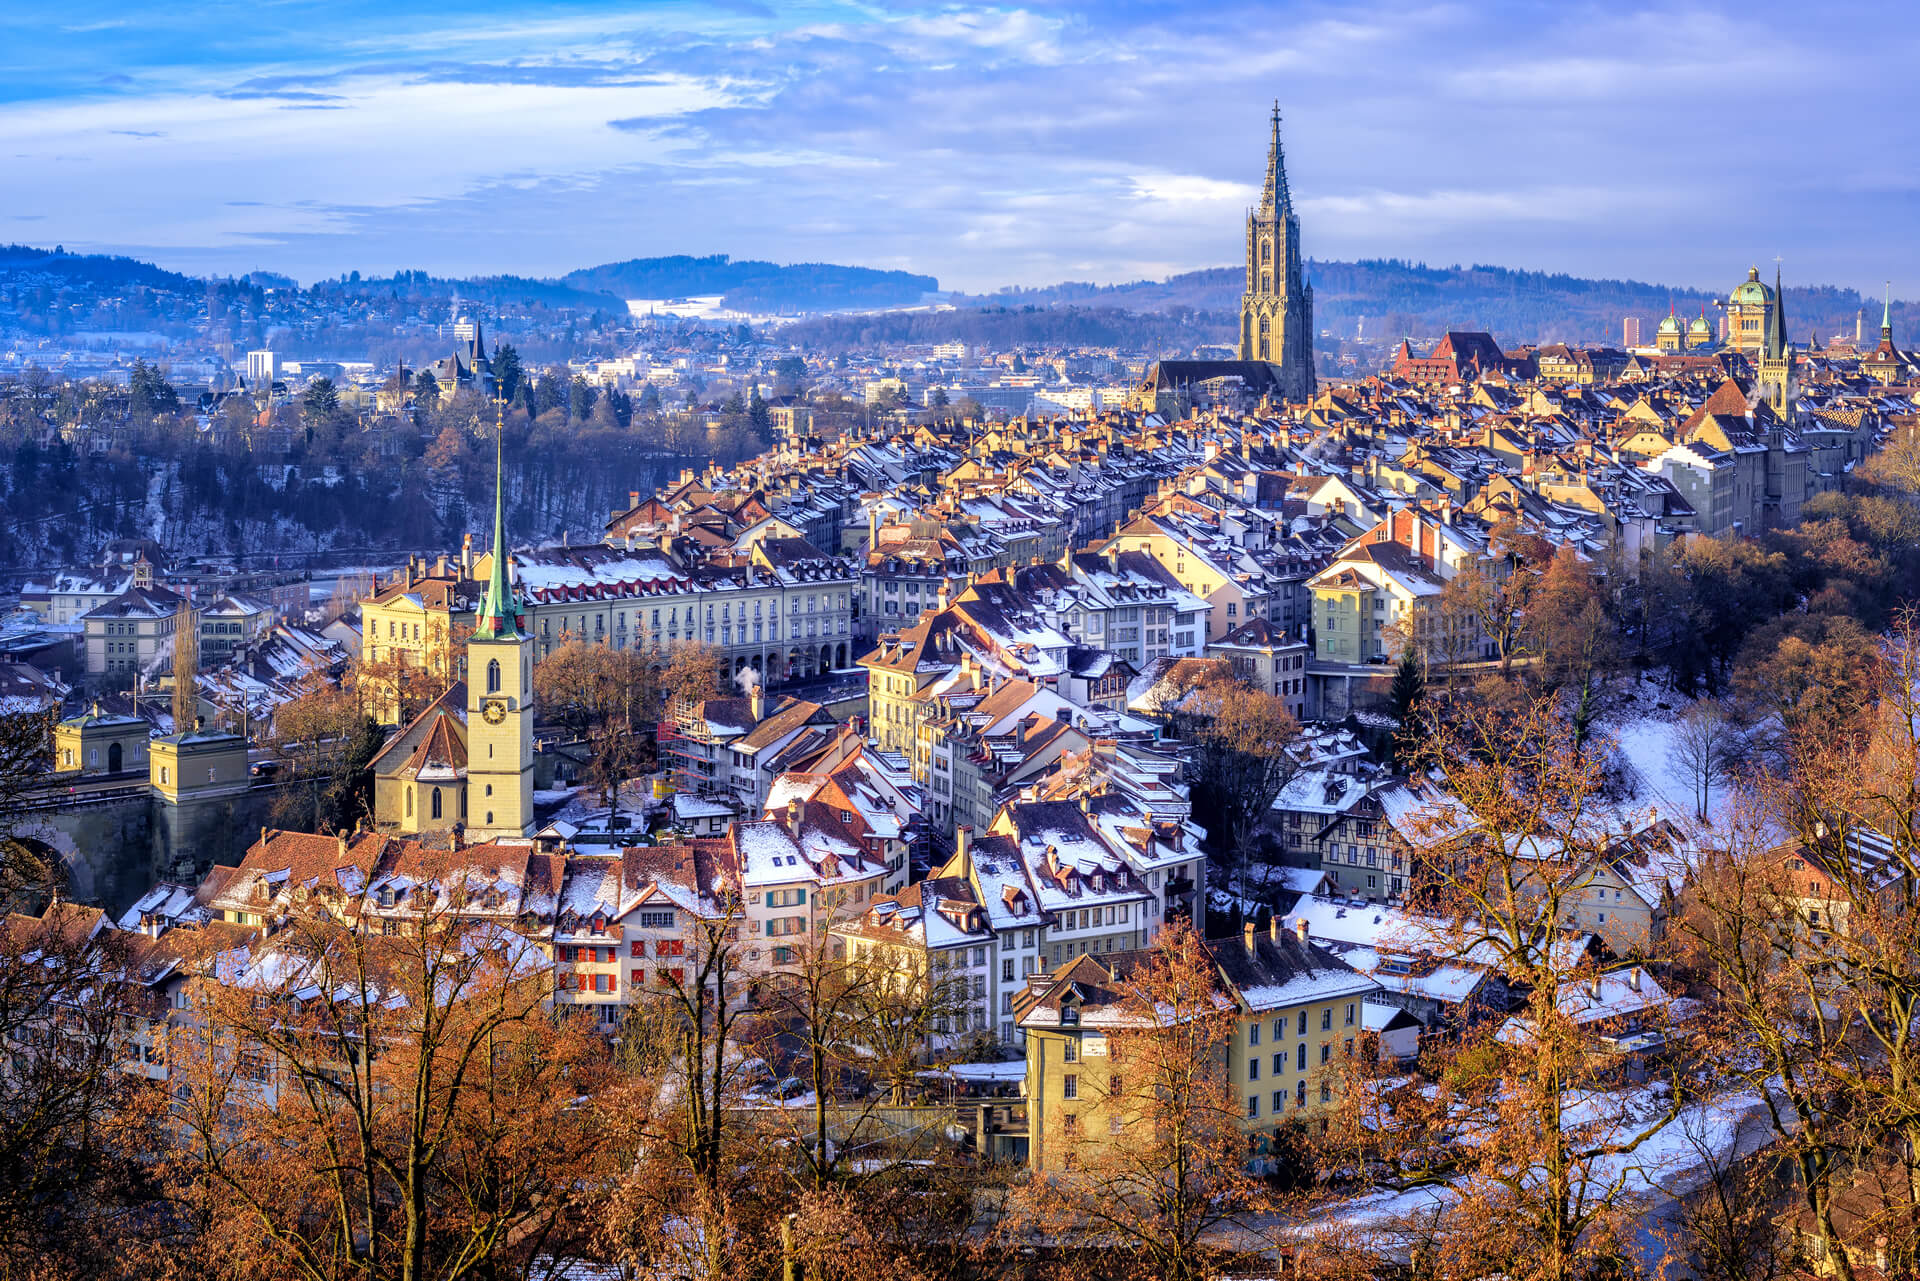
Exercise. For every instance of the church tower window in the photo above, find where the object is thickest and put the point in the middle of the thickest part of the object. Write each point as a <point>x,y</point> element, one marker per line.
<point>493,676</point>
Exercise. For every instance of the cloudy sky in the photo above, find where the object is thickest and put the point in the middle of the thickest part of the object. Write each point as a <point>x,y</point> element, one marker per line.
<point>1104,140</point>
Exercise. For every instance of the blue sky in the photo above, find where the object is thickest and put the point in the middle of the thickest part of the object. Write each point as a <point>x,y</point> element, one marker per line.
<point>986,145</point>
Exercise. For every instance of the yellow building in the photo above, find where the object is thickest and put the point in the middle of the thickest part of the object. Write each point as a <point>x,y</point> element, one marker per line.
<point>198,764</point>
<point>413,632</point>
<point>1296,1011</point>
<point>1221,574</point>
<point>420,776</point>
<point>100,742</point>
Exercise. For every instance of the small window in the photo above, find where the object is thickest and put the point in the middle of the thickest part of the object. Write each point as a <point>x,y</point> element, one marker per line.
<point>1070,1086</point>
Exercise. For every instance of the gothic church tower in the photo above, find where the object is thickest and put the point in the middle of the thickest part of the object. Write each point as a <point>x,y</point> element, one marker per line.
<point>1276,312</point>
<point>500,696</point>
<point>1776,355</point>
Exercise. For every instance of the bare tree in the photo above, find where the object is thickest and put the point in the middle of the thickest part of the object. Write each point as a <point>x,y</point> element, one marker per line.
<point>186,670</point>
<point>1705,748</point>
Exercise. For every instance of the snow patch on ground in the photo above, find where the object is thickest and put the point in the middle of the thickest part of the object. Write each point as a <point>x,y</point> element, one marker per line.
<point>1644,729</point>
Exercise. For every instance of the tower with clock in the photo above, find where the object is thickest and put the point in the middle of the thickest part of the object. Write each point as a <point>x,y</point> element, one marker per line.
<point>500,696</point>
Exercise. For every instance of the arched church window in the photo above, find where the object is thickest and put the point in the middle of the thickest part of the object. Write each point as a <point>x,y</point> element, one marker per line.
<point>409,802</point>
<point>436,802</point>
<point>1266,251</point>
<point>493,676</point>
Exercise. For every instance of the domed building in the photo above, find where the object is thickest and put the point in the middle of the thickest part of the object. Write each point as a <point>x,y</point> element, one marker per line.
<point>1749,309</point>
<point>1700,336</point>
<point>1669,337</point>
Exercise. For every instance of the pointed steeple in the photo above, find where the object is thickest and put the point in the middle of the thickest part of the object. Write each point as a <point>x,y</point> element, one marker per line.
<point>1776,344</point>
<point>479,344</point>
<point>1886,314</point>
<point>499,616</point>
<point>1276,197</point>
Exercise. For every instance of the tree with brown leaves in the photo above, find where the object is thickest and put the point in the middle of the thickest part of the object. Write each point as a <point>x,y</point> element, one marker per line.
<point>1156,1180</point>
<point>1511,1113</point>
<point>1240,758</point>
<point>381,1098</point>
<point>603,695</point>
<point>72,1118</point>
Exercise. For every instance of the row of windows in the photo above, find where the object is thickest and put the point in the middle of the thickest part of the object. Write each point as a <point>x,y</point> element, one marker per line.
<point>1279,1027</point>
<point>604,983</point>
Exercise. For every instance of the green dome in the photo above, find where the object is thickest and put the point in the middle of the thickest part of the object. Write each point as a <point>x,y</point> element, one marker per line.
<point>1752,290</point>
<point>1669,325</point>
<point>1700,326</point>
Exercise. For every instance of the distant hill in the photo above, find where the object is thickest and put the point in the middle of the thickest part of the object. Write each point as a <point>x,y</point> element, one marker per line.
<point>756,286</point>
<point>1394,297</point>
<point>92,271</point>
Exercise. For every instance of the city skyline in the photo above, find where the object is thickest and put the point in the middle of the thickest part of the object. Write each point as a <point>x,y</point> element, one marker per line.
<point>988,146</point>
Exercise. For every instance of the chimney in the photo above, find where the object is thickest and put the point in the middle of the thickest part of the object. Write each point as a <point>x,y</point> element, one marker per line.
<point>757,702</point>
<point>633,498</point>
<point>343,845</point>
<point>794,814</point>
<point>1301,930</point>
<point>466,556</point>
<point>1252,936</point>
<point>1273,928</point>
<point>963,841</point>
<point>1633,978</point>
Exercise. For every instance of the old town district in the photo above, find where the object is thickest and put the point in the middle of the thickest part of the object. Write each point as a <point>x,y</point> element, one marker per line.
<point>941,690</point>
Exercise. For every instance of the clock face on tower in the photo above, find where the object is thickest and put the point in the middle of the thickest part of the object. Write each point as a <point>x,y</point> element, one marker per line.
<point>494,710</point>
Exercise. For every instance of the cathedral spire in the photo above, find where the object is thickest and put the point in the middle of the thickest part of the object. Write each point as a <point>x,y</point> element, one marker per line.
<point>1886,313</point>
<point>499,609</point>
<point>1776,344</point>
<point>1276,196</point>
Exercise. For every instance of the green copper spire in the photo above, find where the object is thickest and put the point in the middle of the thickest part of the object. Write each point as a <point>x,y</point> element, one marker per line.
<point>499,615</point>
<point>1886,312</point>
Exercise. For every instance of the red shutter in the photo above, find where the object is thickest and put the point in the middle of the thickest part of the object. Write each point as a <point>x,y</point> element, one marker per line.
<point>638,948</point>
<point>639,978</point>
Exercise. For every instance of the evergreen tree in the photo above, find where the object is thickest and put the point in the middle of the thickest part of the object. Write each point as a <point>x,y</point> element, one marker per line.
<point>506,369</point>
<point>320,400</point>
<point>1404,698</point>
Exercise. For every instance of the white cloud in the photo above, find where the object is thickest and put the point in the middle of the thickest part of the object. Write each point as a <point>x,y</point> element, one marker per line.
<point>1190,189</point>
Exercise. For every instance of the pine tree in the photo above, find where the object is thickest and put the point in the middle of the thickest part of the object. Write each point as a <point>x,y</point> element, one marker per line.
<point>1408,692</point>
